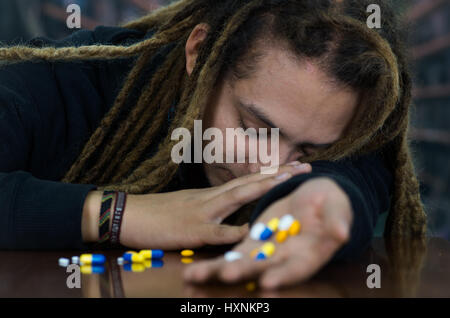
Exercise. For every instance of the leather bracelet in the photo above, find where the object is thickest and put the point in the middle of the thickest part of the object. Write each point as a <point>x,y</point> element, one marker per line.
<point>119,208</point>
<point>105,213</point>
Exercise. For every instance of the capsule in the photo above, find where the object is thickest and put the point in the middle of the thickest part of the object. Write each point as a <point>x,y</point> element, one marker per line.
<point>92,269</point>
<point>133,257</point>
<point>63,262</point>
<point>281,236</point>
<point>273,224</point>
<point>92,259</point>
<point>268,249</point>
<point>187,253</point>
<point>294,229</point>
<point>75,260</point>
<point>266,234</point>
<point>134,267</point>
<point>232,256</point>
<point>154,254</point>
<point>153,263</point>
<point>187,260</point>
<point>285,222</point>
<point>260,256</point>
<point>256,231</point>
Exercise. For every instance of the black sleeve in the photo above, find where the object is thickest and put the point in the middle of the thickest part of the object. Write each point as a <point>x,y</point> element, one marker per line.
<point>45,110</point>
<point>368,183</point>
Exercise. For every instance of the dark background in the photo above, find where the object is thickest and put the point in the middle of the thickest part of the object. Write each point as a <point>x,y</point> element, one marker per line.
<point>21,20</point>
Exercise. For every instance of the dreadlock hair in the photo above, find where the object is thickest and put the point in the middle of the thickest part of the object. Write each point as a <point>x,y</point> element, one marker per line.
<point>333,33</point>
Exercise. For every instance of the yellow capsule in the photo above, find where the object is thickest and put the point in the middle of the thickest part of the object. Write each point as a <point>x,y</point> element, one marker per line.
<point>251,286</point>
<point>134,267</point>
<point>253,253</point>
<point>89,269</point>
<point>186,260</point>
<point>133,257</point>
<point>273,224</point>
<point>294,229</point>
<point>268,249</point>
<point>187,253</point>
<point>281,236</point>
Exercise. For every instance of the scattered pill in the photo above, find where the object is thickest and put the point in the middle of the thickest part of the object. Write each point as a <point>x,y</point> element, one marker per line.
<point>266,234</point>
<point>285,222</point>
<point>260,256</point>
<point>256,231</point>
<point>92,269</point>
<point>155,254</point>
<point>294,229</point>
<point>273,224</point>
<point>75,260</point>
<point>251,286</point>
<point>187,253</point>
<point>63,262</point>
<point>92,259</point>
<point>268,249</point>
<point>232,256</point>
<point>186,260</point>
<point>281,236</point>
<point>120,261</point>
<point>133,257</point>
<point>153,263</point>
<point>134,267</point>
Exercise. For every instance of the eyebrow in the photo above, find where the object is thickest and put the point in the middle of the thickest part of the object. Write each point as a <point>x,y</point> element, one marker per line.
<point>260,115</point>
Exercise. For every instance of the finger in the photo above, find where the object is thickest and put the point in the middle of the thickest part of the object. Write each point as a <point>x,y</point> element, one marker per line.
<point>226,203</point>
<point>294,168</point>
<point>202,271</point>
<point>307,255</point>
<point>219,234</point>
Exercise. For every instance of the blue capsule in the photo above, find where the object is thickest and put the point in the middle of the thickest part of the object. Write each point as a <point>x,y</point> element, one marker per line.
<point>92,269</point>
<point>92,259</point>
<point>152,254</point>
<point>260,256</point>
<point>266,234</point>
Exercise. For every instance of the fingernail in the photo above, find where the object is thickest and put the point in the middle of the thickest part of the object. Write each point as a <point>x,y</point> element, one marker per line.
<point>283,176</point>
<point>303,166</point>
<point>293,163</point>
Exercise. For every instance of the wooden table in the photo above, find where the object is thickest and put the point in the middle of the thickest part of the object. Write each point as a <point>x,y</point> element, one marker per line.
<point>408,269</point>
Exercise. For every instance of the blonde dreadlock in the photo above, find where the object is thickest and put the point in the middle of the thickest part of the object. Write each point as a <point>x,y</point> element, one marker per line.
<point>112,157</point>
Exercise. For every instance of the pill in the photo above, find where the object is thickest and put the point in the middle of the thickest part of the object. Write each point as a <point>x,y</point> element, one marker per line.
<point>92,259</point>
<point>63,262</point>
<point>268,249</point>
<point>251,286</point>
<point>133,257</point>
<point>273,224</point>
<point>186,260</point>
<point>281,236</point>
<point>134,267</point>
<point>254,252</point>
<point>75,260</point>
<point>256,231</point>
<point>294,229</point>
<point>92,269</point>
<point>156,254</point>
<point>285,222</point>
<point>187,253</point>
<point>232,256</point>
<point>153,263</point>
<point>120,261</point>
<point>260,256</point>
<point>266,234</point>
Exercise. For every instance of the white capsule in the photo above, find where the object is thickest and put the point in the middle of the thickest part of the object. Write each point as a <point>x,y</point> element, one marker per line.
<point>75,260</point>
<point>285,222</point>
<point>256,231</point>
<point>232,256</point>
<point>120,261</point>
<point>63,262</point>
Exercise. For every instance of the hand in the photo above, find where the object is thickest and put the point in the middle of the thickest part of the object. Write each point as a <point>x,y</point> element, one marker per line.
<point>324,211</point>
<point>192,218</point>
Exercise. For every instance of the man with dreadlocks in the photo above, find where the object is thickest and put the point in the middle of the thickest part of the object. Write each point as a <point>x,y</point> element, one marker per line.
<point>96,111</point>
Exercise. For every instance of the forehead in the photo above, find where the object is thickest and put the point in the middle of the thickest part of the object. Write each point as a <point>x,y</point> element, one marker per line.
<point>298,97</point>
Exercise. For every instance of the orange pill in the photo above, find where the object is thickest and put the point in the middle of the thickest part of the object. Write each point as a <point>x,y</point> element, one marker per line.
<point>281,236</point>
<point>254,252</point>
<point>294,229</point>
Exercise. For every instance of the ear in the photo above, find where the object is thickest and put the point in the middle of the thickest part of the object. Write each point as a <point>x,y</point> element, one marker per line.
<point>193,44</point>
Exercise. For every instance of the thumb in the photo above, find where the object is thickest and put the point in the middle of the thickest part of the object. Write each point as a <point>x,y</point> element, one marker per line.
<point>219,234</point>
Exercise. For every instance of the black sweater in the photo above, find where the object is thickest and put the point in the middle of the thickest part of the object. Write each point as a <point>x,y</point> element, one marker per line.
<point>49,110</point>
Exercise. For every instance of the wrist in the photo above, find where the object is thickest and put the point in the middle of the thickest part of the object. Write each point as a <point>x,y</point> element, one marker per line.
<point>89,221</point>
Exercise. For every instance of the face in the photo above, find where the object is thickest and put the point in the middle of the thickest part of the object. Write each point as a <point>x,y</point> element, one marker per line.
<point>294,96</point>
